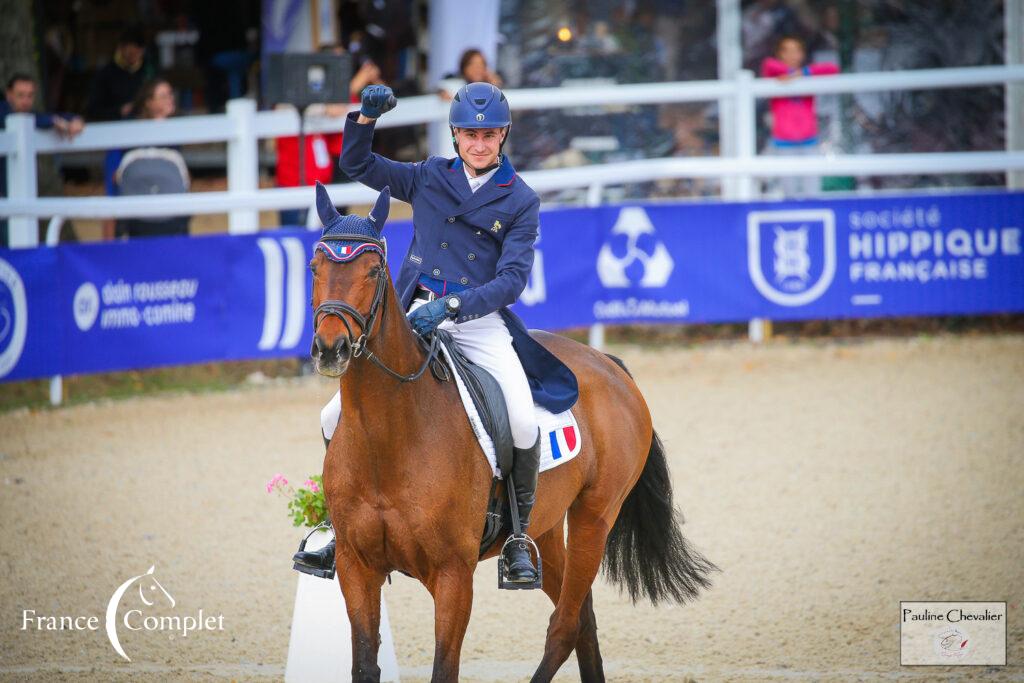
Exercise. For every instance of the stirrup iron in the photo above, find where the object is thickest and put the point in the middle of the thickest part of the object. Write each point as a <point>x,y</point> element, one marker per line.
<point>305,568</point>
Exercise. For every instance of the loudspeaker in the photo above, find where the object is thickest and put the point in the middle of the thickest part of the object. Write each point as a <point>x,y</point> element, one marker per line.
<point>305,79</point>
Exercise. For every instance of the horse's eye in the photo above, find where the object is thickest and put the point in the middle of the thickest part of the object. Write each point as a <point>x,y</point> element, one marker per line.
<point>374,273</point>
<point>312,267</point>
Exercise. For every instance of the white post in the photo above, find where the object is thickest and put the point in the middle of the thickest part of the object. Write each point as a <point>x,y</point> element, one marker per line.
<point>595,337</point>
<point>730,60</point>
<point>243,163</point>
<point>1013,15</point>
<point>746,187</point>
<point>23,231</point>
<point>56,390</point>
<point>746,132</point>
<point>52,239</point>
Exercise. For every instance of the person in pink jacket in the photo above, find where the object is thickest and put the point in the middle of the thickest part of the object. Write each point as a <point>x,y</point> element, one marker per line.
<point>794,119</point>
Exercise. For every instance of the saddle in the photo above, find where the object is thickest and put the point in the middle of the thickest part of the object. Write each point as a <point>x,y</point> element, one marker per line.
<point>490,406</point>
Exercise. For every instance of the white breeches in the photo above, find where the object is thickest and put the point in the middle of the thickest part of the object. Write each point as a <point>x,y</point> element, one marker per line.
<point>487,342</point>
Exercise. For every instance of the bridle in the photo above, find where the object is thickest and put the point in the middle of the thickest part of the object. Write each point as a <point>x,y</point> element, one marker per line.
<point>360,344</point>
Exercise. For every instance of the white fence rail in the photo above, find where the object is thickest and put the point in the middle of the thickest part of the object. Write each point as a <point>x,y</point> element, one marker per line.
<point>242,127</point>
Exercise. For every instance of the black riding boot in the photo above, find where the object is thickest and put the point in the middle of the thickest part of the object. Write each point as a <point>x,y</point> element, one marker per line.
<point>524,478</point>
<point>321,560</point>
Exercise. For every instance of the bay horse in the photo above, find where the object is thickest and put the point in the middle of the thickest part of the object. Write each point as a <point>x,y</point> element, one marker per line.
<point>407,484</point>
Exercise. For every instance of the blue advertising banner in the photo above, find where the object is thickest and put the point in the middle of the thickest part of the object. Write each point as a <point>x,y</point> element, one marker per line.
<point>163,301</point>
<point>721,262</point>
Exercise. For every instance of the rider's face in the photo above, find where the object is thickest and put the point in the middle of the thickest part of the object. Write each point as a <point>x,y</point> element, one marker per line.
<point>479,147</point>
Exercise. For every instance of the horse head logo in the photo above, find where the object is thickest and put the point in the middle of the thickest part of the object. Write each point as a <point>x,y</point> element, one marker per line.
<point>150,591</point>
<point>952,643</point>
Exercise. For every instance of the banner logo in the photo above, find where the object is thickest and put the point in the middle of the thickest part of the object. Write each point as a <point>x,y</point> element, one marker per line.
<point>86,306</point>
<point>791,255</point>
<point>284,313</point>
<point>13,317</point>
<point>645,260</point>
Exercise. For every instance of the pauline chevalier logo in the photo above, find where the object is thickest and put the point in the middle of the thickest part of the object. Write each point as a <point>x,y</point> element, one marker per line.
<point>963,633</point>
<point>152,596</point>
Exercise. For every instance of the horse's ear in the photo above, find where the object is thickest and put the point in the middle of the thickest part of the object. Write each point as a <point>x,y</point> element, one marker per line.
<point>324,207</point>
<point>380,210</point>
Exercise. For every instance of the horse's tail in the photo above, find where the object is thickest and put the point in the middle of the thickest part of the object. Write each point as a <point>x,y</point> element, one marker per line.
<point>646,552</point>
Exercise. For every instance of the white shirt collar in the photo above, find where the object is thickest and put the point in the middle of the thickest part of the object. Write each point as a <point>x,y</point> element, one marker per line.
<point>478,182</point>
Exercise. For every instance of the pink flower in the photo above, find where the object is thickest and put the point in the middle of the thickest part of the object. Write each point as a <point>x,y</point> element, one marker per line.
<point>312,486</point>
<point>277,481</point>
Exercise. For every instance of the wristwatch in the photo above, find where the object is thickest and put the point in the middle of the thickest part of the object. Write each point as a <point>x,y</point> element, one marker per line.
<point>452,305</point>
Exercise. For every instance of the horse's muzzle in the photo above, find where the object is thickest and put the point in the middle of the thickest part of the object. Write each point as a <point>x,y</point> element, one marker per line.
<point>331,360</point>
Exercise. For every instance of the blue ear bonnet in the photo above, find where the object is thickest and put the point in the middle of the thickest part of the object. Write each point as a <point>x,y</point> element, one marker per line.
<point>346,237</point>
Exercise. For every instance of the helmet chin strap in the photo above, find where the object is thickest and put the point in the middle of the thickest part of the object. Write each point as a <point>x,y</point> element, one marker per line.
<point>485,169</point>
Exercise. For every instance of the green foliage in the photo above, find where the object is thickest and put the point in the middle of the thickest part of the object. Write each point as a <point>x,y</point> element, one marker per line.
<point>309,508</point>
<point>306,504</point>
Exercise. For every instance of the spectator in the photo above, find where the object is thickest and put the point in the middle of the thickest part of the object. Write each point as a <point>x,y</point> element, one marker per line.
<point>20,97</point>
<point>153,170</point>
<point>113,92</point>
<point>794,119</point>
<point>472,69</point>
<point>117,84</point>
<point>321,149</point>
<point>155,100</point>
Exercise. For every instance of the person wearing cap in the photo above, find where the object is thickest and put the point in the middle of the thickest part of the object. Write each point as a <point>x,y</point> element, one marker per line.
<point>474,226</point>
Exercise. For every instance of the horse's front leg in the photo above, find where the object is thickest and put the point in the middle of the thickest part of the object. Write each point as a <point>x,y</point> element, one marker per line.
<point>452,588</point>
<point>361,587</point>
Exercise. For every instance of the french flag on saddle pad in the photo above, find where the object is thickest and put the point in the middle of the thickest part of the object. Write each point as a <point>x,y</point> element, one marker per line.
<point>561,440</point>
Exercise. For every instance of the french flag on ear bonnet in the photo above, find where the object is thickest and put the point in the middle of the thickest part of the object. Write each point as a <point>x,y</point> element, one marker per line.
<point>341,239</point>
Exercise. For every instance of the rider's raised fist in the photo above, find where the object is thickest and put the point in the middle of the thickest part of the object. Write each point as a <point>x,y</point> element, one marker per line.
<point>376,100</point>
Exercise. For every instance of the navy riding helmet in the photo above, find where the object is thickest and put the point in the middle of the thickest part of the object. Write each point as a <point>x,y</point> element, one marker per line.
<point>479,105</point>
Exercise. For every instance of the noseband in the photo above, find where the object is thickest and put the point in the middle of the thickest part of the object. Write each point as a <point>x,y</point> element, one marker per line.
<point>360,345</point>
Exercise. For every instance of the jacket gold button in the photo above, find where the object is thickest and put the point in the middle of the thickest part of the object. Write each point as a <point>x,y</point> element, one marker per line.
<point>444,245</point>
<point>437,271</point>
<point>451,219</point>
<point>472,257</point>
<point>464,280</point>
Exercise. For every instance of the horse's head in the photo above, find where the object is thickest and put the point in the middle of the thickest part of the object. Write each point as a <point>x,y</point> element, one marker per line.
<point>350,279</point>
<point>149,586</point>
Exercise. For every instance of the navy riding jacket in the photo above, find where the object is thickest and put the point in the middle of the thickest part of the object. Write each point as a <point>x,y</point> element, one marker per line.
<point>479,244</point>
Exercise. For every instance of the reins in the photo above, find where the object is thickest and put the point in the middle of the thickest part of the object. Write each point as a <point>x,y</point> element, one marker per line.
<point>360,345</point>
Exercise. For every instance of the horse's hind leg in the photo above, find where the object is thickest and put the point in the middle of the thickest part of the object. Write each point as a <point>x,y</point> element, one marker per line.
<point>452,589</point>
<point>588,654</point>
<point>573,620</point>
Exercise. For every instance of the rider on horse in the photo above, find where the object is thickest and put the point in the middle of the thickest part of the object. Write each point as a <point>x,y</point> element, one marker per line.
<point>475,223</point>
